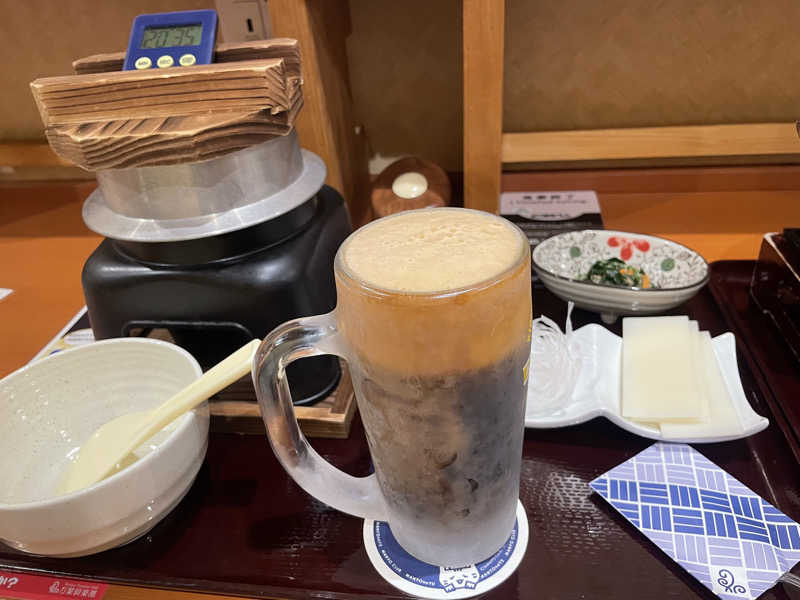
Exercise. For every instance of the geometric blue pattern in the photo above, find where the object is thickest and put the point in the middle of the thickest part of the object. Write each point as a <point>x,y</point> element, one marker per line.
<point>731,540</point>
<point>715,500</point>
<point>683,495</point>
<point>746,506</point>
<point>656,517</point>
<point>622,490</point>
<point>751,529</point>
<point>720,524</point>
<point>653,493</point>
<point>688,521</point>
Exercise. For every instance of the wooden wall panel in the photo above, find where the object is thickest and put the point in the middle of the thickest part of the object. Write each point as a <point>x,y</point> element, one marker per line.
<point>405,73</point>
<point>583,64</point>
<point>40,38</point>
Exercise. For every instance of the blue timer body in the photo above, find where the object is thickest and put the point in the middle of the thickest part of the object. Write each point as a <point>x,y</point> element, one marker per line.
<point>171,39</point>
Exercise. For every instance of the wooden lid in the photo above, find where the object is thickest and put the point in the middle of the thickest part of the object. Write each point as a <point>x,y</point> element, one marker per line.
<point>106,118</point>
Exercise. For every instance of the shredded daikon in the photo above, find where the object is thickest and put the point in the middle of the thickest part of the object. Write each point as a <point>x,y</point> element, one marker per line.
<point>554,365</point>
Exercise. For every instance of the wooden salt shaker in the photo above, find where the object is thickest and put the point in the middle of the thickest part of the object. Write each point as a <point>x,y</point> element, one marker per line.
<point>409,183</point>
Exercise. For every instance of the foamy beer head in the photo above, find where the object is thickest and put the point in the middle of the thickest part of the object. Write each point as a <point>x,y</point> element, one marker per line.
<point>434,291</point>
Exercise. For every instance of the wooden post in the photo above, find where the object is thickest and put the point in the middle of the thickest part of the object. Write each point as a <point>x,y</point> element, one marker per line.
<point>326,125</point>
<point>484,25</point>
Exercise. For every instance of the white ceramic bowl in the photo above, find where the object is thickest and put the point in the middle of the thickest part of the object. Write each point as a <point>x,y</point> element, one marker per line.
<point>51,406</point>
<point>563,260</point>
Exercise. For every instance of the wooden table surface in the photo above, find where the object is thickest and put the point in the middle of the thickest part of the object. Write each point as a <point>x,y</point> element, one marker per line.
<point>44,243</point>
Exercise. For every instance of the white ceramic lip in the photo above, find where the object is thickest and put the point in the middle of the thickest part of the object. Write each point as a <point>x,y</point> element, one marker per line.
<point>699,283</point>
<point>142,463</point>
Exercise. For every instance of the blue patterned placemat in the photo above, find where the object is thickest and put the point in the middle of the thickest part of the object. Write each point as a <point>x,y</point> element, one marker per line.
<point>730,539</point>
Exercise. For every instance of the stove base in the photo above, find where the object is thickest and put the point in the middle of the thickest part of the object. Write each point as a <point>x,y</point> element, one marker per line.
<point>212,308</point>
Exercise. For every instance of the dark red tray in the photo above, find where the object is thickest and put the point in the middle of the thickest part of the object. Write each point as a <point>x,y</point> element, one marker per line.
<point>762,345</point>
<point>246,529</point>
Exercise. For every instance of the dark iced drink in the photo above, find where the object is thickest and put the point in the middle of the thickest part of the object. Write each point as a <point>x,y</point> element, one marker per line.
<point>434,312</point>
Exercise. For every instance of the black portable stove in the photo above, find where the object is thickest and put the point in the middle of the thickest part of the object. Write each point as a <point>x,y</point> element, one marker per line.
<point>212,291</point>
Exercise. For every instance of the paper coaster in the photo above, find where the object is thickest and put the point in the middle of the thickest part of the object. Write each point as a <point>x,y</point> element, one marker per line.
<point>724,534</point>
<point>423,580</point>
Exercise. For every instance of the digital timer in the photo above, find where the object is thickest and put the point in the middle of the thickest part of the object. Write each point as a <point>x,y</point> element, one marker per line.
<point>171,39</point>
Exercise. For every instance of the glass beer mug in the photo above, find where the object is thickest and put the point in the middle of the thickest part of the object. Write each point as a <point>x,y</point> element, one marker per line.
<point>433,318</point>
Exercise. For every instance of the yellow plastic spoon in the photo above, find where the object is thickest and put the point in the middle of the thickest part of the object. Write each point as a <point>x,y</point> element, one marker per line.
<point>107,447</point>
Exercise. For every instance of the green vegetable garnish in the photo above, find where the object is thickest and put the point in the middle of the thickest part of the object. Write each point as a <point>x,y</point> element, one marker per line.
<point>614,271</point>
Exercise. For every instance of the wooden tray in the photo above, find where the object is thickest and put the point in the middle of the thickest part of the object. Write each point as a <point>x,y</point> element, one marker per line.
<point>762,345</point>
<point>235,410</point>
<point>245,528</point>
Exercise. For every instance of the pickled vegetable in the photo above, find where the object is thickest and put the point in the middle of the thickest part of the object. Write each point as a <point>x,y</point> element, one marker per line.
<point>614,271</point>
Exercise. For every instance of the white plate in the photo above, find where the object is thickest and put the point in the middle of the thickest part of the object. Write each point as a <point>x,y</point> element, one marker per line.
<point>597,390</point>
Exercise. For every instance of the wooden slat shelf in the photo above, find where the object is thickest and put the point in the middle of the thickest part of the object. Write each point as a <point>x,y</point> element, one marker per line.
<point>759,139</point>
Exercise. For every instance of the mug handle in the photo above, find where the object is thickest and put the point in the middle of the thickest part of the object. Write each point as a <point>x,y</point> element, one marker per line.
<point>310,336</point>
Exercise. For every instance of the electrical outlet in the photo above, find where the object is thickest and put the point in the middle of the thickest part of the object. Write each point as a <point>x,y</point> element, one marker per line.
<point>243,20</point>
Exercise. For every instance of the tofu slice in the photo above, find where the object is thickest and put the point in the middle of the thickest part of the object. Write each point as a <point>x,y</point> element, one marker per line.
<point>723,416</point>
<point>698,367</point>
<point>658,378</point>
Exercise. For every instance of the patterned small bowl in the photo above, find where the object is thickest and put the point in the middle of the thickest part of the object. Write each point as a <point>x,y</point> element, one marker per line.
<point>563,260</point>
